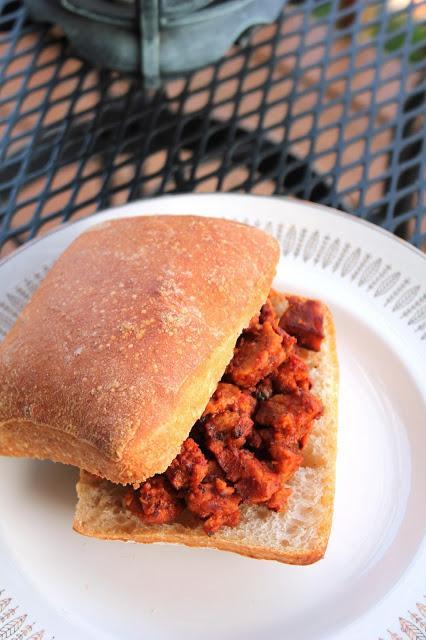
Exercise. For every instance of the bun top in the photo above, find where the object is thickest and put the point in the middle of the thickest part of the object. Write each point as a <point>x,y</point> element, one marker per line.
<point>119,350</point>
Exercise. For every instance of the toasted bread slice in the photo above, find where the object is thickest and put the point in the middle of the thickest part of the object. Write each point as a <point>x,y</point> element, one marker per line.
<point>119,350</point>
<point>298,535</point>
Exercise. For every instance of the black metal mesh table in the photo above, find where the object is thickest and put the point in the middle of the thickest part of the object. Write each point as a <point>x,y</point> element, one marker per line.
<point>326,104</point>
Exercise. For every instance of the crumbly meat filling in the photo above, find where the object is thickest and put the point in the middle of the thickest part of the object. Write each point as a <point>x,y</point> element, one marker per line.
<point>249,441</point>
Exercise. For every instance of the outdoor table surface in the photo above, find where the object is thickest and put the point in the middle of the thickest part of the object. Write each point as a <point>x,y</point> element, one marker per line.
<point>327,104</point>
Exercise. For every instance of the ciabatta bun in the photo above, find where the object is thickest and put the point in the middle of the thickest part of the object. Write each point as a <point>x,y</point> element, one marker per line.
<point>119,350</point>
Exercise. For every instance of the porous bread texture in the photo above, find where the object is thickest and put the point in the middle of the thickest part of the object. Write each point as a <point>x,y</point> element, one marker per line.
<point>298,535</point>
<point>119,350</point>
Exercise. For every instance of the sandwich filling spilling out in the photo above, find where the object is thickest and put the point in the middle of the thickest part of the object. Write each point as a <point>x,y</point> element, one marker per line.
<point>249,441</point>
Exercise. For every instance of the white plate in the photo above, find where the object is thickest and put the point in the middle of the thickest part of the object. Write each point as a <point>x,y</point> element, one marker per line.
<point>372,582</point>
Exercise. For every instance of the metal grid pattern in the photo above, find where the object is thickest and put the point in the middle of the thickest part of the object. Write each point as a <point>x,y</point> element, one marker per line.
<point>326,104</point>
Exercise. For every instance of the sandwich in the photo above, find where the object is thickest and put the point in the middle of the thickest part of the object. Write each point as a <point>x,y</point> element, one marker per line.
<point>199,404</point>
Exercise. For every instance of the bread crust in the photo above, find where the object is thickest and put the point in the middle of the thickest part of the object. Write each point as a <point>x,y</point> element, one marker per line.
<point>117,353</point>
<point>299,535</point>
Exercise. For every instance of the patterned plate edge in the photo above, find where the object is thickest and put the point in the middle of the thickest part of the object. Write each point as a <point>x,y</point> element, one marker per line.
<point>396,291</point>
<point>14,624</point>
<point>413,625</point>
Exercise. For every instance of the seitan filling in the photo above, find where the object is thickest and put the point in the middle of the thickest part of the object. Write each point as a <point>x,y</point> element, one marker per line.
<point>249,441</point>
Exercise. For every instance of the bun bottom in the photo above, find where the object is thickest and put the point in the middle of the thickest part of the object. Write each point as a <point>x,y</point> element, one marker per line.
<point>298,535</point>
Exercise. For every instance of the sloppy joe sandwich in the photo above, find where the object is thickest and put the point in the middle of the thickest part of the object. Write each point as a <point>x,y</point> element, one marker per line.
<point>199,404</point>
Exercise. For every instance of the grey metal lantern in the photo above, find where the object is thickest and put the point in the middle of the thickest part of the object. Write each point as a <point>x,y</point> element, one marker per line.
<point>154,38</point>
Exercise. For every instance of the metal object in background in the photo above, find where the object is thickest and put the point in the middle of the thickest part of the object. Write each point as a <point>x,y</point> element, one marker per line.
<point>326,104</point>
<point>156,38</point>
